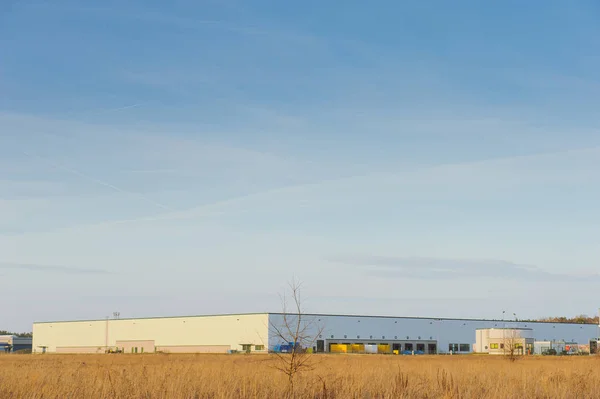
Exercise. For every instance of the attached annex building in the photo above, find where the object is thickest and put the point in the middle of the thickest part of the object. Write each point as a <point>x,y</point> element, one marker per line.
<point>13,343</point>
<point>500,341</point>
<point>254,332</point>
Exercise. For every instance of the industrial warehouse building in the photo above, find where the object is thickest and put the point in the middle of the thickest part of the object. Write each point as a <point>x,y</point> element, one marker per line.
<point>255,333</point>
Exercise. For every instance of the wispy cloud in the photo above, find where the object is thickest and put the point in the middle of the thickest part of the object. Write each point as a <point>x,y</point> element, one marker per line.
<point>386,298</point>
<point>119,108</point>
<point>456,269</point>
<point>50,268</point>
<point>102,183</point>
<point>498,175</point>
<point>152,171</point>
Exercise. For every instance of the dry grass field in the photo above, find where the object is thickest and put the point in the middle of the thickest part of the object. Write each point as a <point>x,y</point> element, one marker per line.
<point>334,376</point>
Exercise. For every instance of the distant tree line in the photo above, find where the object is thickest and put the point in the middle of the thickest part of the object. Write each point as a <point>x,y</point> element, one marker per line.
<point>581,319</point>
<point>23,335</point>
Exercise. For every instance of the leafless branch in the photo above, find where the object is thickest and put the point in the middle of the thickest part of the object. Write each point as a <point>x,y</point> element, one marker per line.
<point>296,330</point>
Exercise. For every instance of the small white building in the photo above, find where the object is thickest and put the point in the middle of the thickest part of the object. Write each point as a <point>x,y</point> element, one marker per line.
<point>500,341</point>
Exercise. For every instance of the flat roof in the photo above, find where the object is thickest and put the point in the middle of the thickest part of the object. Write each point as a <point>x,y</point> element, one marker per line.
<point>505,328</point>
<point>322,315</point>
<point>154,317</point>
<point>14,337</point>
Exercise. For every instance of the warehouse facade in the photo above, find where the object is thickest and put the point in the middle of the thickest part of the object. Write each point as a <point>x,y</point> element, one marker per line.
<point>255,332</point>
<point>194,334</point>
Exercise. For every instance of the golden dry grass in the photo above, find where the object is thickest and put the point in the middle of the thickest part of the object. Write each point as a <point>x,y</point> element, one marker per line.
<point>334,376</point>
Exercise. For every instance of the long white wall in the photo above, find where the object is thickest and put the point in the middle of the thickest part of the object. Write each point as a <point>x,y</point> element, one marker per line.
<point>445,331</point>
<point>177,332</point>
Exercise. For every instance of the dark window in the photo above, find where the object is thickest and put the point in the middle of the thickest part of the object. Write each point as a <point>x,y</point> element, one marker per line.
<point>465,348</point>
<point>453,347</point>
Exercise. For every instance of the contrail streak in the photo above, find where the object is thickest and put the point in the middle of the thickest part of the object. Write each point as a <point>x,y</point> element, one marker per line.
<point>104,111</point>
<point>101,182</point>
<point>125,107</point>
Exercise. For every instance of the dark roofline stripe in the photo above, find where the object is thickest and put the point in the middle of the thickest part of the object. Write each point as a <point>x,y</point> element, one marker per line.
<point>320,315</point>
<point>152,318</point>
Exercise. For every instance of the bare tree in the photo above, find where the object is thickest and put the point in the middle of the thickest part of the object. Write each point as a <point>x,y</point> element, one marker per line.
<point>513,344</point>
<point>296,333</point>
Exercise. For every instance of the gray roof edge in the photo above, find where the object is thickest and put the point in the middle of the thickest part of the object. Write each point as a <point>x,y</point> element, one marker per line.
<point>152,317</point>
<point>441,319</point>
<point>320,315</point>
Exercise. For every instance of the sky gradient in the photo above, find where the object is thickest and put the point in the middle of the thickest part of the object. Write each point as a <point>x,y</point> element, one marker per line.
<point>400,158</point>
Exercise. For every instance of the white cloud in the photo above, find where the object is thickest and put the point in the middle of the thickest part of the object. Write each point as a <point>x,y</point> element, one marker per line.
<point>490,179</point>
<point>29,267</point>
<point>458,269</point>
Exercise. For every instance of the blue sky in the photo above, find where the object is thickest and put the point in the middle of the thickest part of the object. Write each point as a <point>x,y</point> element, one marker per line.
<point>400,158</point>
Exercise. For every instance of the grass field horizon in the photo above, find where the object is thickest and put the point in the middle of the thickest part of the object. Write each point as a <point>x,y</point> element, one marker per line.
<point>333,376</point>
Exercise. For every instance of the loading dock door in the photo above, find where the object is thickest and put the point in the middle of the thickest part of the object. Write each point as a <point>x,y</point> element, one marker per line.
<point>432,349</point>
<point>357,348</point>
<point>593,346</point>
<point>338,348</point>
<point>320,346</point>
<point>383,348</point>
